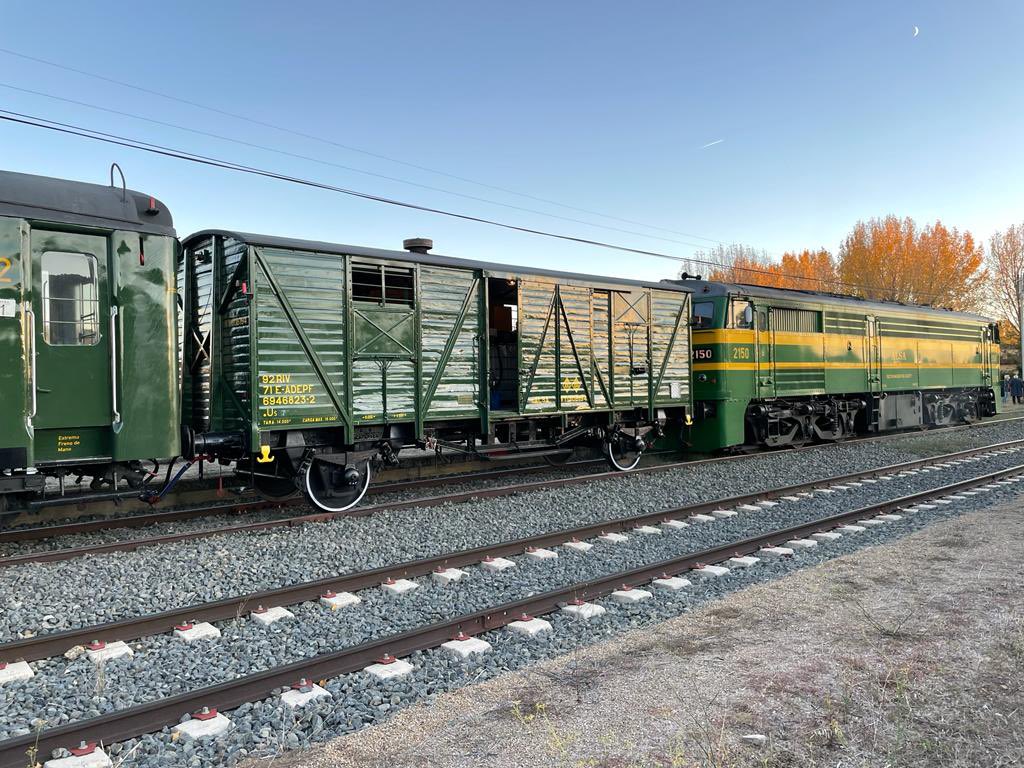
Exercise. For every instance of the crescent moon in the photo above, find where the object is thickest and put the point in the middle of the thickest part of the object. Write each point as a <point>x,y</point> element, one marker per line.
<point>916,30</point>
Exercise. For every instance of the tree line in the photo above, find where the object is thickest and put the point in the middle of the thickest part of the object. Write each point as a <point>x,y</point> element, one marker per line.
<point>893,259</point>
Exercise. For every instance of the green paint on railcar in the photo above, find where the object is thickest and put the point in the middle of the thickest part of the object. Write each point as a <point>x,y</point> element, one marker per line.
<point>15,435</point>
<point>787,346</point>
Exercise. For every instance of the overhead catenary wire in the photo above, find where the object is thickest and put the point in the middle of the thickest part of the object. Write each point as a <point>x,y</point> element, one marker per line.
<point>321,161</point>
<point>340,145</point>
<point>130,143</point>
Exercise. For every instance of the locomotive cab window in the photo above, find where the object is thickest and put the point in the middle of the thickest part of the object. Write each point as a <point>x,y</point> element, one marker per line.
<point>741,314</point>
<point>70,300</point>
<point>383,285</point>
<point>703,315</point>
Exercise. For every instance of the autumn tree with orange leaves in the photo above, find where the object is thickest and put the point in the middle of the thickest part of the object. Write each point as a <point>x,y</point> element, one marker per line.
<point>887,259</point>
<point>891,259</point>
<point>807,270</point>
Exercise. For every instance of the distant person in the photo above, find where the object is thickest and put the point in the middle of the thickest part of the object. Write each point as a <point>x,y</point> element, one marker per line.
<point>1017,389</point>
<point>1004,387</point>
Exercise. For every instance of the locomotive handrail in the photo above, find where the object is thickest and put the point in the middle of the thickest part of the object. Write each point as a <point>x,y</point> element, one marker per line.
<point>32,361</point>
<point>113,364</point>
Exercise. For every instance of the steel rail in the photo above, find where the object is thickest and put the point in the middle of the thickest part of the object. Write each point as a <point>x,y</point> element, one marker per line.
<point>155,715</point>
<point>38,533</point>
<point>129,545</point>
<point>53,644</point>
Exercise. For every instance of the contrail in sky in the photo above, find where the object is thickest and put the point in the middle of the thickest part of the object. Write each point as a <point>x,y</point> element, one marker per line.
<point>712,143</point>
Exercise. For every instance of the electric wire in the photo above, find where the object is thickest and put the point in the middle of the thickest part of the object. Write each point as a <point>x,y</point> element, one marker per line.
<point>348,147</point>
<point>321,161</point>
<point>158,149</point>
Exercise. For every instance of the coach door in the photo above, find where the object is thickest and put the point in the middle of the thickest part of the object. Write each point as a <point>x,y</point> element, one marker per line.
<point>73,333</point>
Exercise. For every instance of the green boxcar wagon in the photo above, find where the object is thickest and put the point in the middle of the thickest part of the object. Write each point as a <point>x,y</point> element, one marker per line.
<point>89,383</point>
<point>781,367</point>
<point>308,362</point>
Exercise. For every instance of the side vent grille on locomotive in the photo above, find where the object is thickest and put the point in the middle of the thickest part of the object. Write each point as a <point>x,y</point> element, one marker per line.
<point>796,320</point>
<point>383,285</point>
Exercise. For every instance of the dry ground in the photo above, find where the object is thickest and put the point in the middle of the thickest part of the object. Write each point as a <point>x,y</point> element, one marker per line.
<point>909,654</point>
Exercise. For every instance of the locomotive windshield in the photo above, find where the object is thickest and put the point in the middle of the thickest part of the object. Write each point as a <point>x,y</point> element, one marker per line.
<point>703,315</point>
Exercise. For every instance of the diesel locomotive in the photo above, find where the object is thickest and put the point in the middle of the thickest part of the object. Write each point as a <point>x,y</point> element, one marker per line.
<point>776,367</point>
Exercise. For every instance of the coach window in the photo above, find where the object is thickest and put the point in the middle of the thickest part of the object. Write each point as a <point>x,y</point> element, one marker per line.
<point>703,315</point>
<point>70,299</point>
<point>741,314</point>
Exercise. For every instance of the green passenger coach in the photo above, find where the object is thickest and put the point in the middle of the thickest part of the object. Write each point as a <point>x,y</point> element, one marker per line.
<point>308,362</point>
<point>779,367</point>
<point>87,335</point>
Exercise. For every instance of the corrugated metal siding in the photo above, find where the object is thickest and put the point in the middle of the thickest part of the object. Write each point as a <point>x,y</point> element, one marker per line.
<point>291,393</point>
<point>196,387</point>
<point>670,328</point>
<point>234,353</point>
<point>443,293</point>
<point>629,345</point>
<point>601,346</point>
<point>574,327</point>
<point>537,330</point>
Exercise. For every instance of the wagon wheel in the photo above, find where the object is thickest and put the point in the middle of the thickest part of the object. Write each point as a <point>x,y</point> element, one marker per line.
<point>273,487</point>
<point>623,452</point>
<point>558,459</point>
<point>332,488</point>
<point>273,481</point>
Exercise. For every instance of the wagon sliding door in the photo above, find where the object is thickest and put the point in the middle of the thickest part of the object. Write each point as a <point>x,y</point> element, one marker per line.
<point>384,341</point>
<point>555,343</point>
<point>630,344</point>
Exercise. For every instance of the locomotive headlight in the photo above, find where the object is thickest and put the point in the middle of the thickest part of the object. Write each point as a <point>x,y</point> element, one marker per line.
<point>702,377</point>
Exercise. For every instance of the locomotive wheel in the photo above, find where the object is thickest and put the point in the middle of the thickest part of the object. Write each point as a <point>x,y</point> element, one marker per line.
<point>621,453</point>
<point>327,490</point>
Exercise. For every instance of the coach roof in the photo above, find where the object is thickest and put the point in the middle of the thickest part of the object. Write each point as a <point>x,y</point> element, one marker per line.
<point>287,243</point>
<point>88,205</point>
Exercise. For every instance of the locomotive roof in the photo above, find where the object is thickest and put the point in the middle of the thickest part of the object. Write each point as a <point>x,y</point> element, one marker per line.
<point>709,288</point>
<point>76,202</point>
<point>432,259</point>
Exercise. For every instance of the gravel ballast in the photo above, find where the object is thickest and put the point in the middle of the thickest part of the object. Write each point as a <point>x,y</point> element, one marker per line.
<point>72,690</point>
<point>268,727</point>
<point>51,597</point>
<point>908,446</point>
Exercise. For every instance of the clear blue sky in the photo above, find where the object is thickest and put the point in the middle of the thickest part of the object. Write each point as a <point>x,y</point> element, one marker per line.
<point>826,112</point>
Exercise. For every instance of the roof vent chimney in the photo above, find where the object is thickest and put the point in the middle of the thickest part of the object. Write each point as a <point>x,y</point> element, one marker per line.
<point>418,244</point>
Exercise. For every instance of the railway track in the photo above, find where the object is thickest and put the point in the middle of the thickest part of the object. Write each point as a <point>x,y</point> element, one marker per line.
<point>152,716</point>
<point>236,508</point>
<point>54,644</point>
